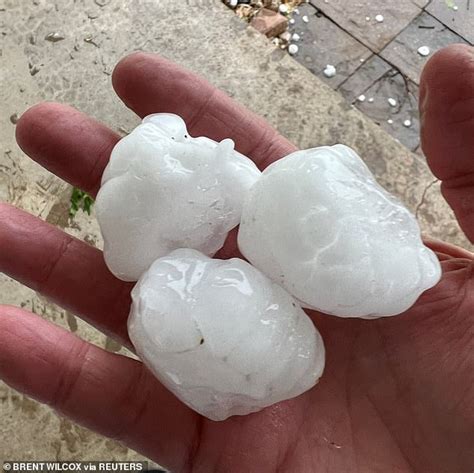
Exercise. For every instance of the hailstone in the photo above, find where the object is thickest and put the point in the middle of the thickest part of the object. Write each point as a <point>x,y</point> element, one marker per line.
<point>164,189</point>
<point>319,224</point>
<point>221,336</point>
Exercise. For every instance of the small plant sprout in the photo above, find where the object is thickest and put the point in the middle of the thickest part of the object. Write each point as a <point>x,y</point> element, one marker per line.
<point>80,200</point>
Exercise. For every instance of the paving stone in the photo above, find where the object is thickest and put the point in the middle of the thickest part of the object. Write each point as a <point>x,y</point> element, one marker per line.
<point>366,75</point>
<point>421,3</point>
<point>425,30</point>
<point>351,16</point>
<point>269,23</point>
<point>460,21</point>
<point>394,85</point>
<point>322,42</point>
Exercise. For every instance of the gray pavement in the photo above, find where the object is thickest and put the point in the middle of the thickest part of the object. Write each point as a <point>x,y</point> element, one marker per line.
<point>207,38</point>
<point>380,59</point>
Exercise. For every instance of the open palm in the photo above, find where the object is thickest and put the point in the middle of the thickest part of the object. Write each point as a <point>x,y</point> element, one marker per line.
<point>397,394</point>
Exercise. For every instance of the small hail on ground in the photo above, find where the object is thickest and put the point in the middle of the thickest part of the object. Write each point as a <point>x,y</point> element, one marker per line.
<point>392,102</point>
<point>329,71</point>
<point>293,49</point>
<point>423,50</point>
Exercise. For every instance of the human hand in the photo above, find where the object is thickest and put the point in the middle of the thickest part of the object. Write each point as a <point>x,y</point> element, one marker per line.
<point>397,394</point>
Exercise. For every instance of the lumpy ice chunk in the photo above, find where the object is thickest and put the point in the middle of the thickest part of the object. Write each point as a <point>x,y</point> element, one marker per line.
<point>221,336</point>
<point>164,189</point>
<point>319,224</point>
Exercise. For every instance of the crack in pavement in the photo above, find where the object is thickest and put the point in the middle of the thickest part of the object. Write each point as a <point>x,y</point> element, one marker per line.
<point>423,197</point>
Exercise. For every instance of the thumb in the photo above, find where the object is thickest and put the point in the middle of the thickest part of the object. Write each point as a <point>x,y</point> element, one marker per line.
<point>447,127</point>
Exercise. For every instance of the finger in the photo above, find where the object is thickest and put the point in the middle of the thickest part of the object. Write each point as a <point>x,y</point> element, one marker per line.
<point>148,83</point>
<point>66,270</point>
<point>447,249</point>
<point>447,131</point>
<point>111,394</point>
<point>67,142</point>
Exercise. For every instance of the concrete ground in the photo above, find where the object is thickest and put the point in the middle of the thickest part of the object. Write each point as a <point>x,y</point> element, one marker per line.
<point>207,38</point>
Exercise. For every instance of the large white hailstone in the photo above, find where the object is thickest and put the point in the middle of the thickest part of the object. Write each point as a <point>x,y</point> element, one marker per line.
<point>319,224</point>
<point>221,336</point>
<point>164,189</point>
